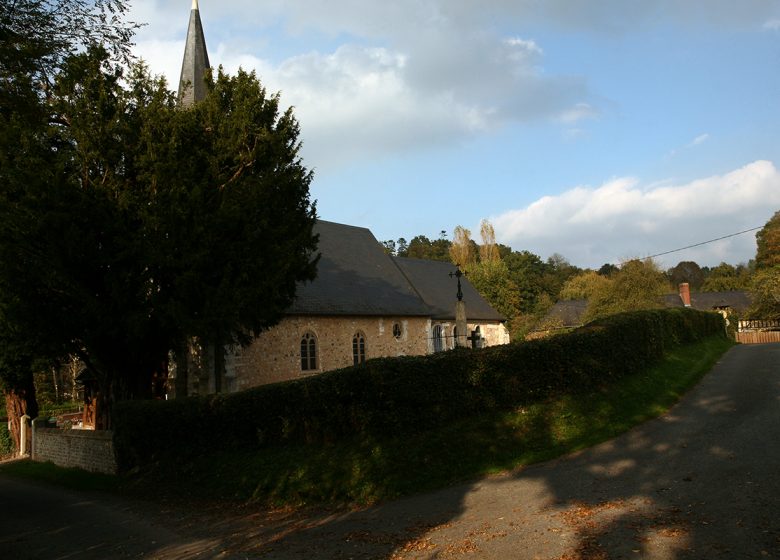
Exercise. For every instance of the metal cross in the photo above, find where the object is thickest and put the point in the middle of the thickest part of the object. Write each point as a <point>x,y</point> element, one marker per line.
<point>457,274</point>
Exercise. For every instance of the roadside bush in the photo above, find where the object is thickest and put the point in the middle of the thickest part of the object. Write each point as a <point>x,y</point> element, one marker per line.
<point>6,443</point>
<point>391,396</point>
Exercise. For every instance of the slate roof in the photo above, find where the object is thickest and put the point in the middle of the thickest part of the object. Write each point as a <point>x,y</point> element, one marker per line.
<point>356,277</point>
<point>707,301</point>
<point>438,290</point>
<point>564,314</point>
<point>192,88</point>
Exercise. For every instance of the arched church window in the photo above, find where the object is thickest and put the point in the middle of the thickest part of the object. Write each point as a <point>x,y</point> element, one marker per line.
<point>438,338</point>
<point>478,338</point>
<point>308,352</point>
<point>358,348</point>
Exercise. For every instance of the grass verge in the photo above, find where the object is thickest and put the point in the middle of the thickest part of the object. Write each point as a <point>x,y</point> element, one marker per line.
<point>75,479</point>
<point>365,471</point>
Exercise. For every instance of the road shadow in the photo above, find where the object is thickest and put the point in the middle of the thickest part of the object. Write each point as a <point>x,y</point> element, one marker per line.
<point>700,482</point>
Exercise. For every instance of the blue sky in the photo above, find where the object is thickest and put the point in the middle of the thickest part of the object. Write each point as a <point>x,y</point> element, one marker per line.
<point>599,130</point>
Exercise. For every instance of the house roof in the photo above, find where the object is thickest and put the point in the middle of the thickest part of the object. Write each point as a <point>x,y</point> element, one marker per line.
<point>739,301</point>
<point>438,290</point>
<point>356,277</point>
<point>565,314</point>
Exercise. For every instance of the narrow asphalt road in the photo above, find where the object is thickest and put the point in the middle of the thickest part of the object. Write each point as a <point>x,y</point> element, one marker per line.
<point>700,482</point>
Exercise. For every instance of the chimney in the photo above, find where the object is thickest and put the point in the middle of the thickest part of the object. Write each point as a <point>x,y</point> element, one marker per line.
<point>685,294</point>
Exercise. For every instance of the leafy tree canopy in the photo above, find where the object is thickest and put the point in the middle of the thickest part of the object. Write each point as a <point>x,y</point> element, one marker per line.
<point>36,38</point>
<point>726,278</point>
<point>765,284</point>
<point>638,284</point>
<point>687,271</point>
<point>584,286</point>
<point>765,289</point>
<point>492,280</point>
<point>129,224</point>
<point>768,243</point>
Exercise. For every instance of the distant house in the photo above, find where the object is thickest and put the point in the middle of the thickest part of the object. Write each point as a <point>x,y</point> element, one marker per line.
<point>565,315</point>
<point>726,302</point>
<point>363,304</point>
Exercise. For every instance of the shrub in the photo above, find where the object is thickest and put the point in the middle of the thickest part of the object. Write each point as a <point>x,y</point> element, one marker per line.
<point>6,442</point>
<point>391,396</point>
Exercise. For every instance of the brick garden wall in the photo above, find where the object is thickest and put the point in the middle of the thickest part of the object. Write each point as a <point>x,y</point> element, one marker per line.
<point>86,449</point>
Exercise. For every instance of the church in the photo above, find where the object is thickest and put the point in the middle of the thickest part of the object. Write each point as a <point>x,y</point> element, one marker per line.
<point>363,303</point>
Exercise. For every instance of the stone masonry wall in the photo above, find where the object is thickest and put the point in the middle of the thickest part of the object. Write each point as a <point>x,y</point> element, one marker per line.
<point>275,354</point>
<point>86,449</point>
<point>493,334</point>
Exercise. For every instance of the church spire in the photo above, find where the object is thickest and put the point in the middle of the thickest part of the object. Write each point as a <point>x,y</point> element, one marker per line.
<point>196,61</point>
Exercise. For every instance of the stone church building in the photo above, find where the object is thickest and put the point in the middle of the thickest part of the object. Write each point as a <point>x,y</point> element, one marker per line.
<point>363,304</point>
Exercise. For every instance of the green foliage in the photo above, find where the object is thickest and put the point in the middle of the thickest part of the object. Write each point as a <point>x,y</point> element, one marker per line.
<point>6,441</point>
<point>492,281</point>
<point>726,278</point>
<point>73,478</point>
<point>608,269</point>
<point>420,247</point>
<point>765,289</point>
<point>768,243</point>
<point>527,271</point>
<point>686,271</point>
<point>584,286</point>
<point>392,396</point>
<point>129,224</point>
<point>637,285</point>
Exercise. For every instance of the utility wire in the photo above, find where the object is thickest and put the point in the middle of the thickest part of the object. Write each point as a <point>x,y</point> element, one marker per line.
<point>703,243</point>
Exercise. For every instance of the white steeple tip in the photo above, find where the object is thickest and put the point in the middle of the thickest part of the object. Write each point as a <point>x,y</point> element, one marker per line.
<point>194,4</point>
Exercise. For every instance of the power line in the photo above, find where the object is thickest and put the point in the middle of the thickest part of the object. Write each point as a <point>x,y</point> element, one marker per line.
<point>704,242</point>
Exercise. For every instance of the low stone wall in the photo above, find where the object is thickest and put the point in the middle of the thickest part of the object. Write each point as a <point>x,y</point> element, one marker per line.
<point>90,450</point>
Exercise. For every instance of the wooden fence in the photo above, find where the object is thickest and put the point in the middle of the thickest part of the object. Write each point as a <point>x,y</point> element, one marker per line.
<point>758,337</point>
<point>758,332</point>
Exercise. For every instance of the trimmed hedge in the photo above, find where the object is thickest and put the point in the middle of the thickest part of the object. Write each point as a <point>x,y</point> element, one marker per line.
<point>390,396</point>
<point>6,442</point>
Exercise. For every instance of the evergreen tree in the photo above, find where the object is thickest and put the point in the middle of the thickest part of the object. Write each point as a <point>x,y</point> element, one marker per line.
<point>147,224</point>
<point>35,39</point>
<point>689,272</point>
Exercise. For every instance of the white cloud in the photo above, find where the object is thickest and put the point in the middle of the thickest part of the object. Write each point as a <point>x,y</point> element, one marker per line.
<point>621,219</point>
<point>772,24</point>
<point>401,74</point>
<point>382,77</point>
<point>578,112</point>
<point>700,139</point>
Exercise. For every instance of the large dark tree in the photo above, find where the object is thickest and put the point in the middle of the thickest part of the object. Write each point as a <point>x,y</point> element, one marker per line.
<point>147,224</point>
<point>36,36</point>
<point>686,271</point>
